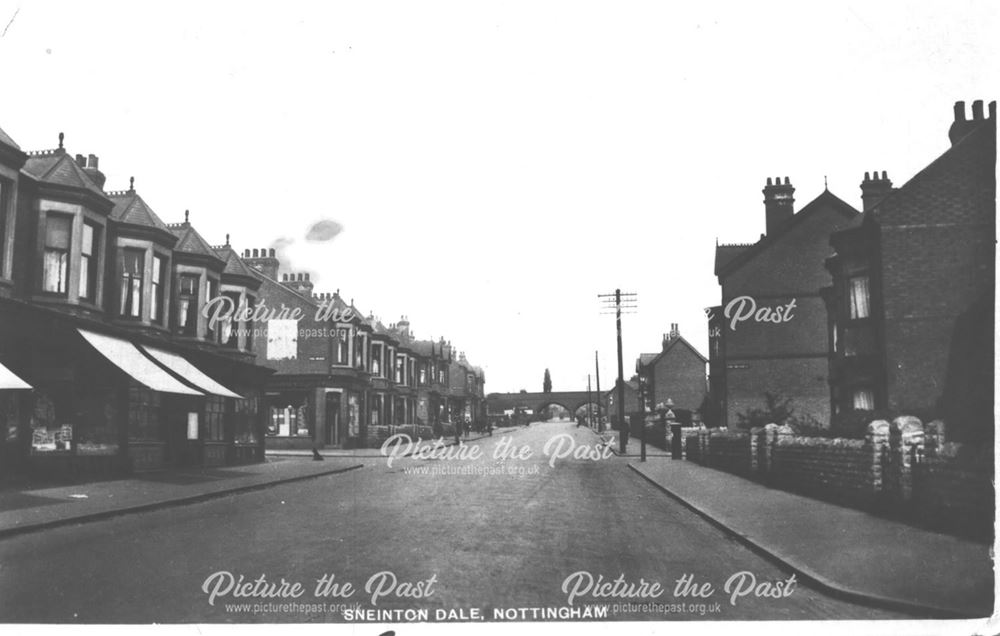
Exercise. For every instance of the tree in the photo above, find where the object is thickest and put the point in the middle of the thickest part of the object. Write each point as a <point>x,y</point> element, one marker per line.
<point>547,383</point>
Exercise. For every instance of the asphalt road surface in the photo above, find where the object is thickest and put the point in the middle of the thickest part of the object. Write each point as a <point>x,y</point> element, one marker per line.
<point>496,537</point>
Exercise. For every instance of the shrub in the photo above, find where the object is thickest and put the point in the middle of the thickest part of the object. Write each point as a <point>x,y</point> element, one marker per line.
<point>777,410</point>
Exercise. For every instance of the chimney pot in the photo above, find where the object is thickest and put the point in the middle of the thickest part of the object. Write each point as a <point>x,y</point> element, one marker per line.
<point>81,161</point>
<point>885,177</point>
<point>993,110</point>
<point>867,178</point>
<point>959,111</point>
<point>307,276</point>
<point>255,252</point>
<point>769,181</point>
<point>272,252</point>
<point>977,109</point>
<point>92,159</point>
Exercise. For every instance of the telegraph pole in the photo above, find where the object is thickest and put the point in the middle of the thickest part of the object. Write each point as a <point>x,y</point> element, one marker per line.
<point>597,370</point>
<point>630,301</point>
<point>590,410</point>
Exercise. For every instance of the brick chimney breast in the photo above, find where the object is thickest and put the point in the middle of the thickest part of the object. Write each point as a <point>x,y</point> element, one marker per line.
<point>779,204</point>
<point>874,188</point>
<point>961,126</point>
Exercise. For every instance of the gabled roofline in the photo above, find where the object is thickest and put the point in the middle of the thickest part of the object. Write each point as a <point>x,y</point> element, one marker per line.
<point>839,205</point>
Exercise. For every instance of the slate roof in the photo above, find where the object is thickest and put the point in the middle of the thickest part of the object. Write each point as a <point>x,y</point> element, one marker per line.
<point>647,359</point>
<point>726,253</point>
<point>190,242</point>
<point>58,168</point>
<point>5,139</point>
<point>234,264</point>
<point>132,209</point>
<point>817,204</point>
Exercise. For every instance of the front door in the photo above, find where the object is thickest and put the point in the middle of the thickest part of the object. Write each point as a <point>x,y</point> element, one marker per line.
<point>333,436</point>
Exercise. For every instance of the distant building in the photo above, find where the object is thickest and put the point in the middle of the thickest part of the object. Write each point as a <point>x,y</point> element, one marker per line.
<point>676,373</point>
<point>769,335</point>
<point>911,323</point>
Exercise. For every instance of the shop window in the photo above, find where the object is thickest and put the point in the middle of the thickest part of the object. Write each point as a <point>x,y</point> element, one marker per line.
<point>48,432</point>
<point>187,304</point>
<point>55,265</point>
<point>97,432</point>
<point>89,249</point>
<point>156,297</point>
<point>245,420</point>
<point>288,421</point>
<point>143,414</point>
<point>860,297</point>
<point>133,264</point>
<point>864,400</point>
<point>215,417</point>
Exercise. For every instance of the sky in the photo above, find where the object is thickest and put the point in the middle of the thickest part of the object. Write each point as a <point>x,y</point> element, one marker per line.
<point>493,166</point>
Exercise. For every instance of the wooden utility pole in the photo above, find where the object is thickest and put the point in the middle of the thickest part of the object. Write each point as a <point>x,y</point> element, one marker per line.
<point>630,301</point>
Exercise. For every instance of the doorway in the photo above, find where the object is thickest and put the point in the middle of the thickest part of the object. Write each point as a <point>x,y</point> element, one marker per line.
<point>333,436</point>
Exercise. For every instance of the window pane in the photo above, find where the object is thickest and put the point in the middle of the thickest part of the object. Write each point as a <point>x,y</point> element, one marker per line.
<point>859,297</point>
<point>85,276</point>
<point>157,267</point>
<point>864,400</point>
<point>58,228</point>
<point>87,246</point>
<point>56,271</point>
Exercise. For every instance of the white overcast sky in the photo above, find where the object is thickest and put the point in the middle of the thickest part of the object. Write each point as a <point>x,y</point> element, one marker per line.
<point>496,165</point>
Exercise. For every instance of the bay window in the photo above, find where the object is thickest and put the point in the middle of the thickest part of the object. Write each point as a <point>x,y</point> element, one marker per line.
<point>55,265</point>
<point>133,265</point>
<point>340,346</point>
<point>229,331</point>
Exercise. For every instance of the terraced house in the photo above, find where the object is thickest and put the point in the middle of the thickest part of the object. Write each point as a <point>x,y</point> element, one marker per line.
<point>107,364</point>
<point>344,379</point>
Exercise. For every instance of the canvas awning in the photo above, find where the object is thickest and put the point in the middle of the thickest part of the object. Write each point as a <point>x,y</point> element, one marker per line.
<point>8,380</point>
<point>127,357</point>
<point>188,371</point>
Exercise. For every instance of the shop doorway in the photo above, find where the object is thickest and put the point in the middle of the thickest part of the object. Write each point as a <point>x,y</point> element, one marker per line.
<point>333,433</point>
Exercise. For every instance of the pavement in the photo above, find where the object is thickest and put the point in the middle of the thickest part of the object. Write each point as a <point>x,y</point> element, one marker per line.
<point>846,552</point>
<point>28,508</point>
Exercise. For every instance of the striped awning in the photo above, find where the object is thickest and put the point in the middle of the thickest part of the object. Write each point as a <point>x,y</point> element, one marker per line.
<point>127,357</point>
<point>9,380</point>
<point>189,372</point>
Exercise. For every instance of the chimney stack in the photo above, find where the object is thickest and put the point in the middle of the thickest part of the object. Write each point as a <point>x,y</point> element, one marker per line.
<point>263,260</point>
<point>874,189</point>
<point>91,169</point>
<point>779,205</point>
<point>961,126</point>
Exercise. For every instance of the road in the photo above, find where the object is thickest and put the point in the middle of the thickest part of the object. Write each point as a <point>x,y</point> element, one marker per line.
<point>488,542</point>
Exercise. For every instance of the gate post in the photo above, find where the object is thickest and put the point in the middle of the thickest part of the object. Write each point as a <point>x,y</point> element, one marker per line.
<point>876,441</point>
<point>907,439</point>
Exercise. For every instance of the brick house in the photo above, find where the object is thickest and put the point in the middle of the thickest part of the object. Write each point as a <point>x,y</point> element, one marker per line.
<point>95,296</point>
<point>911,304</point>
<point>676,373</point>
<point>319,347</point>
<point>769,333</point>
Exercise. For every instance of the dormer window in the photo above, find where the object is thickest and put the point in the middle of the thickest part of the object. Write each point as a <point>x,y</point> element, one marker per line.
<point>55,271</point>
<point>133,266</point>
<point>187,304</point>
<point>88,262</point>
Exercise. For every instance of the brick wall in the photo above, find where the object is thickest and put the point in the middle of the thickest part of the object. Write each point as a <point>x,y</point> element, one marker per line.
<point>729,451</point>
<point>904,468</point>
<point>838,469</point>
